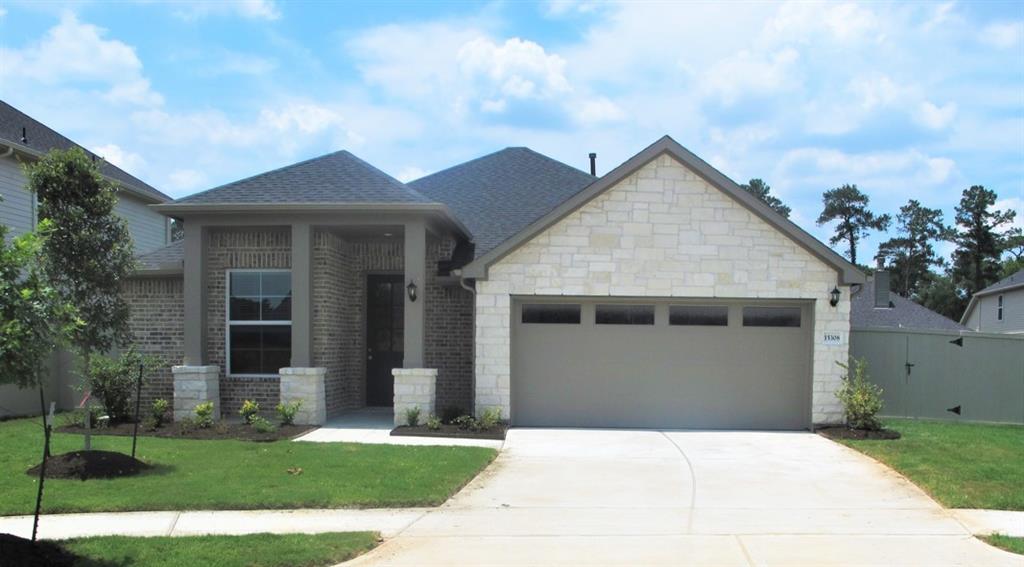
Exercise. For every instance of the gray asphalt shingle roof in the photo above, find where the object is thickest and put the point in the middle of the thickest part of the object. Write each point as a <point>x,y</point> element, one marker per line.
<point>339,177</point>
<point>1012,280</point>
<point>905,314</point>
<point>170,256</point>
<point>42,138</point>
<point>499,194</point>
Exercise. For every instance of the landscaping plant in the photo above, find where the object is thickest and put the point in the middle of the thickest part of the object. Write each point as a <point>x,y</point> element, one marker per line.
<point>412,416</point>
<point>489,419</point>
<point>204,415</point>
<point>114,380</point>
<point>861,399</point>
<point>158,411</point>
<point>433,422</point>
<point>249,411</point>
<point>286,412</point>
<point>262,424</point>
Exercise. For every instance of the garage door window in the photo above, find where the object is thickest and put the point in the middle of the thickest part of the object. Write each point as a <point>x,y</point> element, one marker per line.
<point>551,313</point>
<point>698,315</point>
<point>771,316</point>
<point>625,315</point>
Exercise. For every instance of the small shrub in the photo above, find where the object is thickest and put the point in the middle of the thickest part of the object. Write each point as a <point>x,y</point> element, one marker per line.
<point>204,415</point>
<point>149,423</point>
<point>467,422</point>
<point>451,413</point>
<point>861,399</point>
<point>113,381</point>
<point>186,425</point>
<point>262,424</point>
<point>286,412</point>
<point>250,410</point>
<point>433,422</point>
<point>412,416</point>
<point>158,412</point>
<point>489,419</point>
<point>76,417</point>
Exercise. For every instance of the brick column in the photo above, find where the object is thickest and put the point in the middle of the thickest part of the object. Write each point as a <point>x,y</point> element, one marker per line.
<point>414,387</point>
<point>194,385</point>
<point>305,385</point>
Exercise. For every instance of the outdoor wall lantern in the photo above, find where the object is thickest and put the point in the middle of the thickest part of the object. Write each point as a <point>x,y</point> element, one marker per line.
<point>411,290</point>
<point>834,297</point>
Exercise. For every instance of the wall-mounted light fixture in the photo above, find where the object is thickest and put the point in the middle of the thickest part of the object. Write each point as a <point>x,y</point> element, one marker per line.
<point>834,297</point>
<point>411,290</point>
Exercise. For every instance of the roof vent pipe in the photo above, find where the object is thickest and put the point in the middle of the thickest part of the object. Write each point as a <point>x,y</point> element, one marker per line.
<point>882,289</point>
<point>24,137</point>
<point>593,164</point>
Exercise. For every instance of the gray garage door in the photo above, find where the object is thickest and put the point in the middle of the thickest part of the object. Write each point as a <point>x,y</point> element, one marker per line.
<point>665,364</point>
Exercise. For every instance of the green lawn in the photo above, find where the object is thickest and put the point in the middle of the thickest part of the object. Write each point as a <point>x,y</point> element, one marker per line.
<point>962,465</point>
<point>262,550</point>
<point>238,475</point>
<point>1011,544</point>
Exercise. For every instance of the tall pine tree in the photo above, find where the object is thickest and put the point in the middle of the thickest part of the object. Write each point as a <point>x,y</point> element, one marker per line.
<point>980,238</point>
<point>910,255</point>
<point>849,207</point>
<point>761,190</point>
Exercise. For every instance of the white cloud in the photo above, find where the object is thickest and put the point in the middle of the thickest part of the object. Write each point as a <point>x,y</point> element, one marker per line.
<point>410,173</point>
<point>516,69</point>
<point>3,11</point>
<point>935,117</point>
<point>128,161</point>
<point>803,21</point>
<point>1003,35</point>
<point>597,111</point>
<point>184,181</point>
<point>306,118</point>
<point>902,170</point>
<point>557,8</point>
<point>249,9</point>
<point>747,72</point>
<point>1012,204</point>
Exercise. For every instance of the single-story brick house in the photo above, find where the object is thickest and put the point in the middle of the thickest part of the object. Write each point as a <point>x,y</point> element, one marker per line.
<point>658,295</point>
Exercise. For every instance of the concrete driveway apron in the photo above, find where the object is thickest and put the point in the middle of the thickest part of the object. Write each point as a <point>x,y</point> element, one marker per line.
<point>642,497</point>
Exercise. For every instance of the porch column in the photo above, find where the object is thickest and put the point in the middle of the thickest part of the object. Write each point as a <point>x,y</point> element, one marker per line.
<point>302,295</point>
<point>415,273</point>
<point>196,243</point>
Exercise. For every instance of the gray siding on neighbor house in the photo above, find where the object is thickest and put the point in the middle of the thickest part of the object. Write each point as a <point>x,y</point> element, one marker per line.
<point>147,227</point>
<point>984,377</point>
<point>984,317</point>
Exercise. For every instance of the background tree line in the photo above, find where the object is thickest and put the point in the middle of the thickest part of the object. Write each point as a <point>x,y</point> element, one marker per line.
<point>988,247</point>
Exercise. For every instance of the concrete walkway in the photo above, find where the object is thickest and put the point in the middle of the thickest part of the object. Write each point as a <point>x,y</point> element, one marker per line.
<point>988,522</point>
<point>620,497</point>
<point>374,425</point>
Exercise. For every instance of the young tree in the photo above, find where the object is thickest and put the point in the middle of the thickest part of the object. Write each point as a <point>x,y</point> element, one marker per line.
<point>87,252</point>
<point>761,190</point>
<point>910,255</point>
<point>979,240</point>
<point>849,206</point>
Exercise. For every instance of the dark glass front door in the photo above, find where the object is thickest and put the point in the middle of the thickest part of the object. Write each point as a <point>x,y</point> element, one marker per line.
<point>385,320</point>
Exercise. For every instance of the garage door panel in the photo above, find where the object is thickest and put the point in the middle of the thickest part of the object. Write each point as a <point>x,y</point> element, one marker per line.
<point>591,375</point>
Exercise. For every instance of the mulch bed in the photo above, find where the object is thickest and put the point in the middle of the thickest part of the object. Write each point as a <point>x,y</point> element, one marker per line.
<point>221,430</point>
<point>20,552</point>
<point>498,433</point>
<point>841,432</point>
<point>83,465</point>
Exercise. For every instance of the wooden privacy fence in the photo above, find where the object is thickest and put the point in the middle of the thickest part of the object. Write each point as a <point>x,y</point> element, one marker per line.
<point>945,375</point>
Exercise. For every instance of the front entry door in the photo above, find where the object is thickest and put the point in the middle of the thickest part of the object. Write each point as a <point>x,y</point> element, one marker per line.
<point>385,320</point>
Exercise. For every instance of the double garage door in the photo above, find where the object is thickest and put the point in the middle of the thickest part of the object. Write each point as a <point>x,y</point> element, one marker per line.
<point>661,363</point>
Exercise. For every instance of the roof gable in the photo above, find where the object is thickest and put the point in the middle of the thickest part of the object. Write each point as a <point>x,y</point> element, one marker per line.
<point>1012,282</point>
<point>666,145</point>
<point>336,178</point>
<point>904,313</point>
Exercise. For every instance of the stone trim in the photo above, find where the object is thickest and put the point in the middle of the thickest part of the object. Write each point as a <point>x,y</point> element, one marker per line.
<point>305,385</point>
<point>414,387</point>
<point>194,385</point>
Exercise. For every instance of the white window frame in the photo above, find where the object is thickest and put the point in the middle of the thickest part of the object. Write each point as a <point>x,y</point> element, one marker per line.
<point>228,322</point>
<point>999,309</point>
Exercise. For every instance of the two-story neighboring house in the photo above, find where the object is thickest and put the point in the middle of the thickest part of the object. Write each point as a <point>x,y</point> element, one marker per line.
<point>23,140</point>
<point>999,308</point>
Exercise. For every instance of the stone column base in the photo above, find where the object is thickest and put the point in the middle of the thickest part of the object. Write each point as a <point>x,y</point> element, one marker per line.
<point>305,385</point>
<point>194,385</point>
<point>414,387</point>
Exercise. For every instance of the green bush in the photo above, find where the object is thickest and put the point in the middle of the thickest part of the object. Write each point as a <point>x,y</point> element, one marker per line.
<point>250,410</point>
<point>204,415</point>
<point>158,412</point>
<point>433,422</point>
<point>489,419</point>
<point>113,381</point>
<point>861,399</point>
<point>412,416</point>
<point>262,424</point>
<point>467,422</point>
<point>286,412</point>
<point>450,413</point>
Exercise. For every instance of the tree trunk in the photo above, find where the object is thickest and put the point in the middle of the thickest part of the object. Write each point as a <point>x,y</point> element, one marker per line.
<point>42,467</point>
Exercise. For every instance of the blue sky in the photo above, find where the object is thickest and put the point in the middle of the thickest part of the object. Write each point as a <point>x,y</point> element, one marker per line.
<point>907,100</point>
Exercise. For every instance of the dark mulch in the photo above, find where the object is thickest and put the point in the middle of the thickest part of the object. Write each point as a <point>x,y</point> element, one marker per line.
<point>20,552</point>
<point>447,430</point>
<point>84,465</point>
<point>842,432</point>
<point>221,430</point>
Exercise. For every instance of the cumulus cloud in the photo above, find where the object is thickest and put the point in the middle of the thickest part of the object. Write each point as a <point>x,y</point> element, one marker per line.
<point>935,117</point>
<point>1003,35</point>
<point>903,170</point>
<point>183,181</point>
<point>128,161</point>
<point>747,72</point>
<point>515,69</point>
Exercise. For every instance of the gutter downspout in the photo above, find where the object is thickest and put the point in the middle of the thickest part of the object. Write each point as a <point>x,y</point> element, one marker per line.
<point>472,291</point>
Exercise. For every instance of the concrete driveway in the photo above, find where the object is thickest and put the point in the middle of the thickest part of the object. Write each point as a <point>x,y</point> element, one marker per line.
<point>634,497</point>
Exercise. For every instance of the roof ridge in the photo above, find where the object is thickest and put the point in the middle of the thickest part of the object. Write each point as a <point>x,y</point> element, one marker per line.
<point>388,175</point>
<point>495,153</point>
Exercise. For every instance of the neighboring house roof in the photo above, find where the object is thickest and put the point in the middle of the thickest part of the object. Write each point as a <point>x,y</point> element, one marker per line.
<point>337,178</point>
<point>39,139</point>
<point>170,258</point>
<point>848,272</point>
<point>1012,282</point>
<point>904,313</point>
<point>498,195</point>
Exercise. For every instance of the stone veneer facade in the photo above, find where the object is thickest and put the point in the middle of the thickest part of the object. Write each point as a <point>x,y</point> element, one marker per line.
<point>661,232</point>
